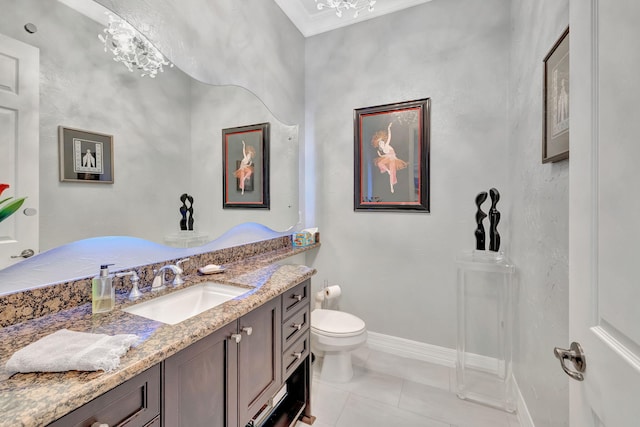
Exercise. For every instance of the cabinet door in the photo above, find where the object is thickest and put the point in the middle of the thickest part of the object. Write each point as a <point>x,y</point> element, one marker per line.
<point>197,381</point>
<point>259,367</point>
<point>133,403</point>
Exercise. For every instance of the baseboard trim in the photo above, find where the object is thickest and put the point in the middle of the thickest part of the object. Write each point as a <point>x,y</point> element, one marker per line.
<point>426,352</point>
<point>524,417</point>
<point>443,356</point>
<point>411,349</point>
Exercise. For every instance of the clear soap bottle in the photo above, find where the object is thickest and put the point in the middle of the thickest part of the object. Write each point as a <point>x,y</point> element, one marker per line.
<point>103,296</point>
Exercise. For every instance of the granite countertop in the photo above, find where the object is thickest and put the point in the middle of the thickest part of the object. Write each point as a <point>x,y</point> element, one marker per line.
<point>36,399</point>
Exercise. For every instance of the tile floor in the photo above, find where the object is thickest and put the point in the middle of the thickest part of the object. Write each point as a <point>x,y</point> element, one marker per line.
<point>389,390</point>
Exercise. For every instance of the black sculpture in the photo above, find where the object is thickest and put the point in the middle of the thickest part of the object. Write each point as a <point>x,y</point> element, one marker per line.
<point>186,212</point>
<point>494,218</point>
<point>183,212</point>
<point>190,212</point>
<point>480,216</point>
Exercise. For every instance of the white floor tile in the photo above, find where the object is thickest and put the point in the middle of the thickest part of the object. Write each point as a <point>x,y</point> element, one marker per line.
<point>327,402</point>
<point>410,369</point>
<point>363,412</point>
<point>389,390</point>
<point>447,407</point>
<point>381,387</point>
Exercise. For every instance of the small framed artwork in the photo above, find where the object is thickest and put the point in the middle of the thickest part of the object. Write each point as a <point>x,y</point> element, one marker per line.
<point>245,169</point>
<point>85,156</point>
<point>391,152</point>
<point>555,133</point>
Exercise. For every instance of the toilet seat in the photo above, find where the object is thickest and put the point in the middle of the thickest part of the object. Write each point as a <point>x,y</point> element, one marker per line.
<point>332,323</point>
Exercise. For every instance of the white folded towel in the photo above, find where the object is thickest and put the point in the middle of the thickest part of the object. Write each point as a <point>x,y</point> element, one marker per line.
<point>66,350</point>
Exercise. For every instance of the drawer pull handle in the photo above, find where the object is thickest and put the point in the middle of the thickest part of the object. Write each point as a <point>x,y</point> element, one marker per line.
<point>297,297</point>
<point>297,326</point>
<point>248,330</point>
<point>236,337</point>
<point>297,355</point>
<point>99,424</point>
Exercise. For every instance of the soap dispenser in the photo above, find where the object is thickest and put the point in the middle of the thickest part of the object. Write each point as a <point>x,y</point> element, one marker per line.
<point>103,296</point>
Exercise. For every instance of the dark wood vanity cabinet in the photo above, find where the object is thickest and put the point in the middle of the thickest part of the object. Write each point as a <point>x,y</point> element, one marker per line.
<point>198,380</point>
<point>259,375</point>
<point>135,403</point>
<point>226,378</point>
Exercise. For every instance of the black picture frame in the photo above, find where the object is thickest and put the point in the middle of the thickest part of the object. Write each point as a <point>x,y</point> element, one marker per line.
<point>391,157</point>
<point>555,105</point>
<point>246,186</point>
<point>85,156</point>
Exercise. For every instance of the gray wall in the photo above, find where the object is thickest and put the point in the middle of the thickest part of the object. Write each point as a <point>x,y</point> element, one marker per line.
<point>539,218</point>
<point>397,270</point>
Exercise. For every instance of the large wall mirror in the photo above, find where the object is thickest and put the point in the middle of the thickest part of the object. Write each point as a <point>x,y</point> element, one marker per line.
<point>167,138</point>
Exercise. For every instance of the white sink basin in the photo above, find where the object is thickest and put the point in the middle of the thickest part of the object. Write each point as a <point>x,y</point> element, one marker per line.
<point>181,305</point>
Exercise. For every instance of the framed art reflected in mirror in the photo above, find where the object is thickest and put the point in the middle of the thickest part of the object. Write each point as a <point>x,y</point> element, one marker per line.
<point>245,169</point>
<point>85,156</point>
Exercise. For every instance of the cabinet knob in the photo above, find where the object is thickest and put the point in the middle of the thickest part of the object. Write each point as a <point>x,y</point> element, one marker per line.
<point>297,326</point>
<point>297,355</point>
<point>236,337</point>
<point>248,330</point>
<point>297,297</point>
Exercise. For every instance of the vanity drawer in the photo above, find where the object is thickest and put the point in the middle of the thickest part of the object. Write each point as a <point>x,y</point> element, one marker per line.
<point>134,403</point>
<point>295,327</point>
<point>295,298</point>
<point>295,355</point>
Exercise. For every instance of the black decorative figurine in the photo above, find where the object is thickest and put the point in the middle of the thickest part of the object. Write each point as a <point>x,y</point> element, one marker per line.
<point>494,218</point>
<point>186,212</point>
<point>480,216</point>
<point>190,211</point>
<point>183,212</point>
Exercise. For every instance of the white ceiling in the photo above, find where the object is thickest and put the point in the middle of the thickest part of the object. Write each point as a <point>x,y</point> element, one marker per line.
<point>311,21</point>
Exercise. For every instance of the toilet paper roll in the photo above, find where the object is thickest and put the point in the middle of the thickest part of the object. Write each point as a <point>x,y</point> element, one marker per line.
<point>332,292</point>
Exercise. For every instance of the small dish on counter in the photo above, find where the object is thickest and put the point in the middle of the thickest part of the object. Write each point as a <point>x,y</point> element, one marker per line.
<point>211,269</point>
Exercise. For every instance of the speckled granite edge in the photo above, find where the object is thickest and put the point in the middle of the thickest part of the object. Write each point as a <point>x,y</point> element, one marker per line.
<point>36,399</point>
<point>31,304</point>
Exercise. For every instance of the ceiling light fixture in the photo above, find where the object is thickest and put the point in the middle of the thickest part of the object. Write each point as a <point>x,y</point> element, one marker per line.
<point>132,48</point>
<point>346,5</point>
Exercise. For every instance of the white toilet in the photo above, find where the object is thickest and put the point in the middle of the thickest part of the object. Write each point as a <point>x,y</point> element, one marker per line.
<point>336,334</point>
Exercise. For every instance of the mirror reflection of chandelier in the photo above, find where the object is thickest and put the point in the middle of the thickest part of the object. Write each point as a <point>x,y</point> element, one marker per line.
<point>132,48</point>
<point>346,5</point>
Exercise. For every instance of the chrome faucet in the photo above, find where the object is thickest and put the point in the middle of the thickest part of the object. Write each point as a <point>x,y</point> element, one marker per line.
<point>159,279</point>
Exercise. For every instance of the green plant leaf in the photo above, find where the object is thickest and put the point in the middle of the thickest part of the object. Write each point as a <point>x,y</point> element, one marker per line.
<point>11,208</point>
<point>4,200</point>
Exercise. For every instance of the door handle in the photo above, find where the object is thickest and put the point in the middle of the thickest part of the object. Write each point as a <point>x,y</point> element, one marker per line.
<point>27,253</point>
<point>576,356</point>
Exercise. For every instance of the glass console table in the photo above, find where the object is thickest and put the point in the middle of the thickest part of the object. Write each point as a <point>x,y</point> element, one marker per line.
<point>485,302</point>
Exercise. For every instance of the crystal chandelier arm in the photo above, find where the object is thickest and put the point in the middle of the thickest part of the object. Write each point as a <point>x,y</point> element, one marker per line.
<point>344,5</point>
<point>131,48</point>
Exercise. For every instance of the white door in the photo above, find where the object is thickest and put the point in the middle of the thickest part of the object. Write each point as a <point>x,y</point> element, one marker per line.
<point>605,211</point>
<point>19,139</point>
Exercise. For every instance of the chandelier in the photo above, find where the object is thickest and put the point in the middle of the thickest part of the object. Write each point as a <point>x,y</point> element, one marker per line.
<point>346,5</point>
<point>132,48</point>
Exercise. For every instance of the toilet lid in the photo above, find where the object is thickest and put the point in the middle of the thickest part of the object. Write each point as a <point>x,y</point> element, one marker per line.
<point>336,323</point>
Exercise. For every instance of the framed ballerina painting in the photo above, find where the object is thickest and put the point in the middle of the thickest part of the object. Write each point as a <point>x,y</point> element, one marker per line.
<point>245,169</point>
<point>391,151</point>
